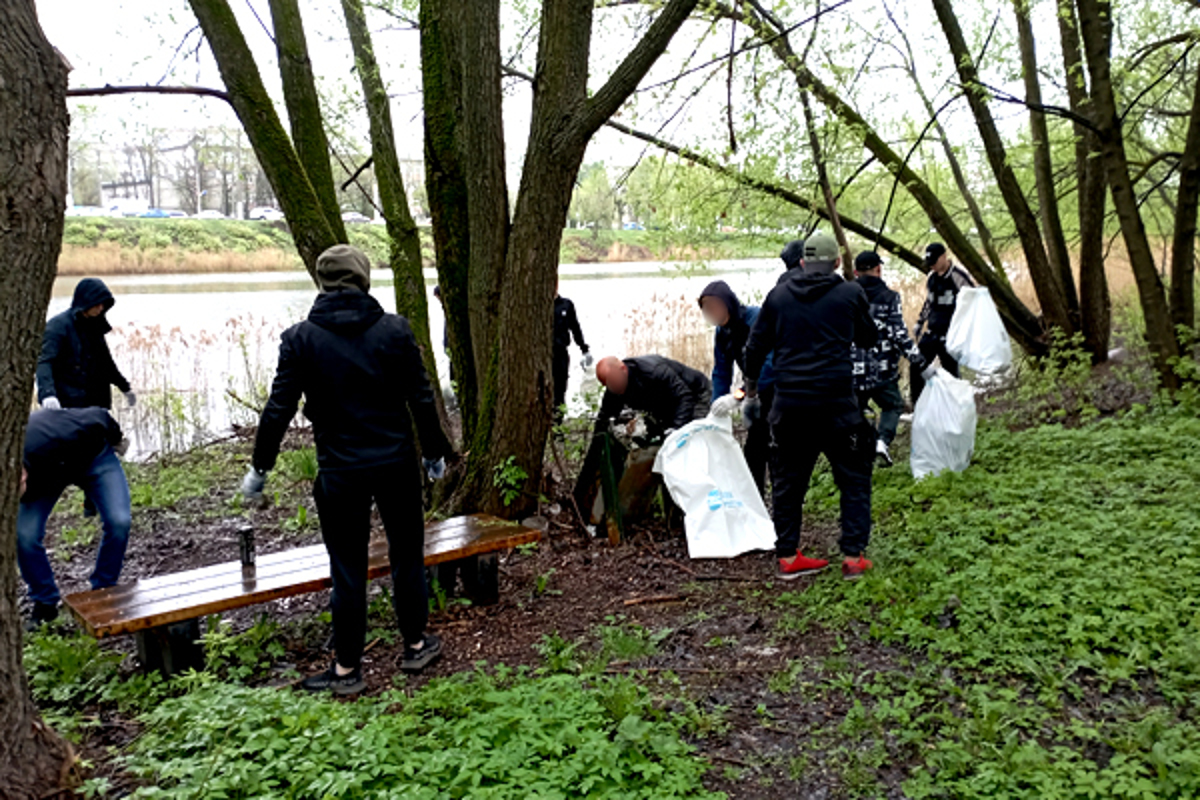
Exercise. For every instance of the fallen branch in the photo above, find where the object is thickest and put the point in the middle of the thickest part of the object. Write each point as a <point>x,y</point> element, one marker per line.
<point>657,598</point>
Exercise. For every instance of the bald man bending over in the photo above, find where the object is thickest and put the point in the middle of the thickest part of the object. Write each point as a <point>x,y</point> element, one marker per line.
<point>670,394</point>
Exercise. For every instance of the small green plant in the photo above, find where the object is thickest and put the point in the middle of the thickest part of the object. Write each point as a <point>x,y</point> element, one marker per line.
<point>509,478</point>
<point>298,465</point>
<point>298,522</point>
<point>245,656</point>
<point>76,537</point>
<point>541,585</point>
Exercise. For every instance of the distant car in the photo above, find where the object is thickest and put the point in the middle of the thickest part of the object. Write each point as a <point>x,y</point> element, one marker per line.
<point>154,213</point>
<point>210,213</point>
<point>634,226</point>
<point>175,213</point>
<point>265,213</point>
<point>354,217</point>
<point>87,211</point>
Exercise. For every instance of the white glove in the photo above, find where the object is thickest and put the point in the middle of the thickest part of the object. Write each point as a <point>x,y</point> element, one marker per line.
<point>436,470</point>
<point>725,405</point>
<point>131,398</point>
<point>51,402</point>
<point>587,361</point>
<point>253,483</point>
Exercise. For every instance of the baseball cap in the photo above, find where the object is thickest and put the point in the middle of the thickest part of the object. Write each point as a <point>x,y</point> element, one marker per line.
<point>933,252</point>
<point>821,248</point>
<point>866,261</point>
<point>793,253</point>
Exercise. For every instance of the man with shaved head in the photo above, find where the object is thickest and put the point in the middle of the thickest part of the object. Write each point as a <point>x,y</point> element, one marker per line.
<point>669,393</point>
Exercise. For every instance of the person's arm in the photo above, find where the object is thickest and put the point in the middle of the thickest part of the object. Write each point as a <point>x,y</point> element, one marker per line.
<point>114,375</point>
<point>418,394</point>
<point>897,334</point>
<point>722,373</point>
<point>866,332</point>
<point>51,342</point>
<point>759,345</point>
<point>576,330</point>
<point>610,407</point>
<point>281,407</point>
<point>112,431</point>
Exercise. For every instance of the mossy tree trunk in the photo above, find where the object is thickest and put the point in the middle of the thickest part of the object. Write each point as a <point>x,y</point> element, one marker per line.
<point>1183,244</point>
<point>33,191</point>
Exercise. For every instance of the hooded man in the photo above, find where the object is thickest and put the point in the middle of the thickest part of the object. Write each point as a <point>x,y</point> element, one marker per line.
<point>360,373</point>
<point>941,298</point>
<point>566,325</point>
<point>76,369</point>
<point>808,324</point>
<point>722,309</point>
<point>877,370</point>
<point>70,447</point>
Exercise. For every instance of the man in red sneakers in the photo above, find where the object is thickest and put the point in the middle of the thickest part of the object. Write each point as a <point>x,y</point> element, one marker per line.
<point>810,321</point>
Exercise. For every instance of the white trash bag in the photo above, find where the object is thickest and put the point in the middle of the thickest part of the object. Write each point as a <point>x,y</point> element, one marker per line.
<point>977,338</point>
<point>943,426</point>
<point>706,474</point>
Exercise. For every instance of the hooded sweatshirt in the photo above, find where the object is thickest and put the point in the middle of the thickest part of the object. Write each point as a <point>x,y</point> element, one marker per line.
<point>729,341</point>
<point>60,446</point>
<point>810,322</point>
<point>363,382</point>
<point>75,364</point>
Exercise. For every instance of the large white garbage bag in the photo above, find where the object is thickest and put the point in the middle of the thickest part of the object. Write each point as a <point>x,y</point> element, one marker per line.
<point>977,338</point>
<point>943,426</point>
<point>706,474</point>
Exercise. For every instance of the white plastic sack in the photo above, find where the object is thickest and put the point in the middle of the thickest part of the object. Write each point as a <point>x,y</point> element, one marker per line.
<point>977,338</point>
<point>706,474</point>
<point>943,426</point>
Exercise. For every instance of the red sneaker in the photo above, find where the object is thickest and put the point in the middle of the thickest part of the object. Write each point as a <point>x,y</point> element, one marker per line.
<point>798,566</point>
<point>855,568</point>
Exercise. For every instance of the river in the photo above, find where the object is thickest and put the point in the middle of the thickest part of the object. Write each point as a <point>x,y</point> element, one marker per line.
<point>200,350</point>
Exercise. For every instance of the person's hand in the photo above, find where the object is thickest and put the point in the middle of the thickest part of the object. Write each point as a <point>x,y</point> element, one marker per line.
<point>435,468</point>
<point>931,370</point>
<point>752,408</point>
<point>122,447</point>
<point>725,405</point>
<point>131,399</point>
<point>587,361</point>
<point>253,483</point>
<point>51,403</point>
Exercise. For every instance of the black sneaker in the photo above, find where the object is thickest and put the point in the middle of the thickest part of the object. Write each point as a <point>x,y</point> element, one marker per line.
<point>330,681</point>
<point>42,613</point>
<point>418,658</point>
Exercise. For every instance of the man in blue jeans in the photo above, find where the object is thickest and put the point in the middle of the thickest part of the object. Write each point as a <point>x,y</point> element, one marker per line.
<point>70,447</point>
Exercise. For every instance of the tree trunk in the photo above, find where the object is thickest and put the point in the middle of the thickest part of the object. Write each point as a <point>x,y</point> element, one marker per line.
<point>33,160</point>
<point>293,189</point>
<point>304,109</point>
<point>405,244</point>
<point>1047,283</point>
<point>1043,168</point>
<point>1095,304</point>
<point>1183,246</point>
<point>1096,29</point>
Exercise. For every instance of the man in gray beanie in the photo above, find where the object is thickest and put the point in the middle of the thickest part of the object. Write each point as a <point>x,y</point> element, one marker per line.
<point>364,385</point>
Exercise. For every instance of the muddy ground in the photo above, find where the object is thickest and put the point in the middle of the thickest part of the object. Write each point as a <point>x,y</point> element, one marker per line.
<point>723,627</point>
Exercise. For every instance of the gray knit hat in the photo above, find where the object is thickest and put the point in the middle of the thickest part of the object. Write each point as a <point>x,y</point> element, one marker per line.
<point>343,267</point>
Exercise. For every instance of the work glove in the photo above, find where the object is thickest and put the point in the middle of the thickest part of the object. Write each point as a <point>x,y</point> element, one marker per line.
<point>131,399</point>
<point>52,403</point>
<point>587,361</point>
<point>752,408</point>
<point>725,405</point>
<point>435,468</point>
<point>253,483</point>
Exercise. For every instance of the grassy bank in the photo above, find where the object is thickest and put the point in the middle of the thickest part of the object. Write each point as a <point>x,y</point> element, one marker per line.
<point>104,246</point>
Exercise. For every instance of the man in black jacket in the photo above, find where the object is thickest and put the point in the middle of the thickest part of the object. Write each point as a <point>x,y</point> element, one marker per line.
<point>945,280</point>
<point>877,370</point>
<point>566,325</point>
<point>70,447</point>
<point>669,393</point>
<point>363,382</point>
<point>810,322</point>
<point>76,369</point>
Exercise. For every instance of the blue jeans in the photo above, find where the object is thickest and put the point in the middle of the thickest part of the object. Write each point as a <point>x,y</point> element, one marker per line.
<point>104,484</point>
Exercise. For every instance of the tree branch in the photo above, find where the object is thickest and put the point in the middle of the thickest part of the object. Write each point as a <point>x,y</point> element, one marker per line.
<point>108,89</point>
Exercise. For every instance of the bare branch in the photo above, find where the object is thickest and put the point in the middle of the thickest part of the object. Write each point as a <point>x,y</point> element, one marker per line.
<point>202,91</point>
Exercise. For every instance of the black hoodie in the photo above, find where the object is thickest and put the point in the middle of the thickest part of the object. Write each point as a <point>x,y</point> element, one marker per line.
<point>361,376</point>
<point>810,322</point>
<point>75,365</point>
<point>61,445</point>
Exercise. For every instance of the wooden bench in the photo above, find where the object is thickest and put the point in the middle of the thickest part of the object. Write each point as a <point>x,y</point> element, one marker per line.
<point>164,612</point>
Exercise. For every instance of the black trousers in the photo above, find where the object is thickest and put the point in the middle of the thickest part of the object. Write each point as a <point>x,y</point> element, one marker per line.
<point>344,500</point>
<point>891,405</point>
<point>932,345</point>
<point>561,368</point>
<point>758,441</point>
<point>799,435</point>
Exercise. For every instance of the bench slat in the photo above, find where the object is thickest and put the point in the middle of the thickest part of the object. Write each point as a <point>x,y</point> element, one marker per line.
<point>163,600</point>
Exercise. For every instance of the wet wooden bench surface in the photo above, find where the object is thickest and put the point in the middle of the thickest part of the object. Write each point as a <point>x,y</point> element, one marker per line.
<point>167,599</point>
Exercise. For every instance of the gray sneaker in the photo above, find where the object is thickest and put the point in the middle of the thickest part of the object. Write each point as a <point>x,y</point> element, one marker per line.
<point>416,659</point>
<point>330,681</point>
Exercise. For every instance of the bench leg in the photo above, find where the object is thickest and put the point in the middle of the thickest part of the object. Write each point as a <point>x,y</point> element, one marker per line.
<point>171,649</point>
<point>481,577</point>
